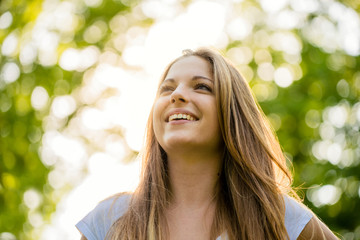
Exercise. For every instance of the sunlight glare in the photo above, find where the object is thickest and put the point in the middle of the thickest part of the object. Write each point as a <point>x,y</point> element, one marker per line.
<point>327,131</point>
<point>93,3</point>
<point>337,116</point>
<point>56,179</point>
<point>28,54</point>
<point>286,42</point>
<point>7,236</point>
<point>6,20</point>
<point>266,71</point>
<point>286,19</point>
<point>47,44</point>
<point>273,6</point>
<point>322,32</point>
<point>115,146</point>
<point>95,32</point>
<point>94,119</point>
<point>262,55</point>
<point>10,72</point>
<point>69,59</point>
<point>239,28</point>
<point>109,76</point>
<point>93,189</point>
<point>74,59</point>
<point>63,106</point>
<point>240,55</point>
<point>89,56</point>
<point>325,195</point>
<point>134,135</point>
<point>36,219</point>
<point>110,107</point>
<point>190,29</point>
<point>352,44</point>
<point>333,153</point>
<point>100,162</point>
<point>347,158</point>
<point>39,98</point>
<point>32,198</point>
<point>305,6</point>
<point>10,44</point>
<point>71,151</point>
<point>46,154</point>
<point>64,18</point>
<point>319,149</point>
<point>134,56</point>
<point>283,77</point>
<point>348,27</point>
<point>160,9</point>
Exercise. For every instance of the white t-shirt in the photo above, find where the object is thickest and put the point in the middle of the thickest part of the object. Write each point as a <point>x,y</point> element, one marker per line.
<point>97,223</point>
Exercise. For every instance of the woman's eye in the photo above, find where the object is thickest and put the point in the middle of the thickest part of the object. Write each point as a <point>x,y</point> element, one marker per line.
<point>203,86</point>
<point>165,88</point>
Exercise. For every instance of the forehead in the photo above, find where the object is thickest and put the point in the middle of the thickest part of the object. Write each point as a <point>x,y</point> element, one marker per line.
<point>190,66</point>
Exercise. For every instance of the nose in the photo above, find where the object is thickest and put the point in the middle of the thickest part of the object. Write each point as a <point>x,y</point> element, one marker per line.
<point>179,95</point>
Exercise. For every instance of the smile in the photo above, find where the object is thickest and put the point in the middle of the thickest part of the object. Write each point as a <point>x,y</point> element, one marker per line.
<point>181,116</point>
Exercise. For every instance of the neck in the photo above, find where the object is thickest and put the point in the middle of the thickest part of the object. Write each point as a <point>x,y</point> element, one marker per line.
<point>194,178</point>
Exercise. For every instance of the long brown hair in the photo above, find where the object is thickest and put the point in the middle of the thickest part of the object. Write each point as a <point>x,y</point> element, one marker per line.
<point>253,178</point>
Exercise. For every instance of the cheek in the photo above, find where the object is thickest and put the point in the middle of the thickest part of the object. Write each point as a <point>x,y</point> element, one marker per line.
<point>157,117</point>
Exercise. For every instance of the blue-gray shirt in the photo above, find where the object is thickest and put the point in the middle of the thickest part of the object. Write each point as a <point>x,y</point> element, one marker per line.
<point>97,223</point>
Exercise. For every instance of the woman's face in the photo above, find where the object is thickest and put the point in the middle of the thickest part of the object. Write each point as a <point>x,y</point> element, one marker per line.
<point>185,116</point>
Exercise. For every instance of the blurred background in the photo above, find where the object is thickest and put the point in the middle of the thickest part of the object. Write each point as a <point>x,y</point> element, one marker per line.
<point>78,77</point>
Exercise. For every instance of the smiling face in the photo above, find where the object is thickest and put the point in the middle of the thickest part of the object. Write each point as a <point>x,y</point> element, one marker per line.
<point>185,115</point>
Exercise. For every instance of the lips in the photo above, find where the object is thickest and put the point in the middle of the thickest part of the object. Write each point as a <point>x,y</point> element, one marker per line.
<point>181,115</point>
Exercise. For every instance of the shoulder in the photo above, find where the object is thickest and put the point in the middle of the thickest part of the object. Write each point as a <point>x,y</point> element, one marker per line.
<point>302,224</point>
<point>316,229</point>
<point>297,216</point>
<point>114,206</point>
<point>97,222</point>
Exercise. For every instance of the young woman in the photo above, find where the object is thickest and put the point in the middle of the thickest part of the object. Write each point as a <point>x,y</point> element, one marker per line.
<point>212,167</point>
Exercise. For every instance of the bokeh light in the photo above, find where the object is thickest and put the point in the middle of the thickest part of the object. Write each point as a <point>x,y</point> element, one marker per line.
<point>78,79</point>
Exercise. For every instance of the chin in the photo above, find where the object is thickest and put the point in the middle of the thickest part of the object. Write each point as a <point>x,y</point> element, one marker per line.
<point>188,145</point>
<point>177,143</point>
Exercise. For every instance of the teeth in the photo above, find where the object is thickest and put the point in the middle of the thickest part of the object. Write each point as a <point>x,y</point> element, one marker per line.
<point>181,116</point>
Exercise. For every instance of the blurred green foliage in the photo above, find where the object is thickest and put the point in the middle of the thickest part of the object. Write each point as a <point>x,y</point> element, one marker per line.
<point>25,192</point>
<point>316,91</point>
<point>305,114</point>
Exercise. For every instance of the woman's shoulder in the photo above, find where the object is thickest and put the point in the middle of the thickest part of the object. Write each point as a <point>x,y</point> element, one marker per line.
<point>301,223</point>
<point>295,208</point>
<point>114,206</point>
<point>97,222</point>
<point>297,216</point>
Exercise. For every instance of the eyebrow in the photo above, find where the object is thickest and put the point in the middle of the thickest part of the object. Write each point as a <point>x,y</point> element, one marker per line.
<point>196,77</point>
